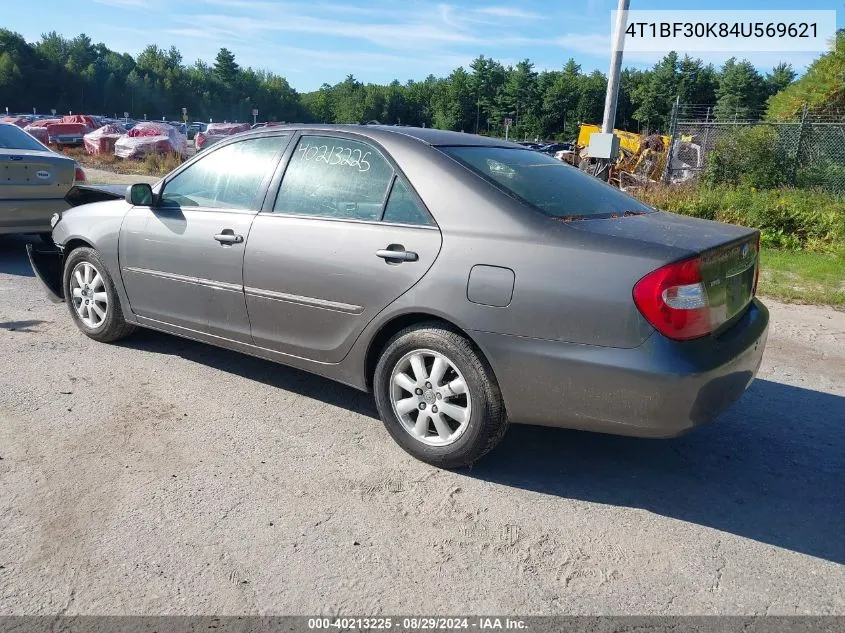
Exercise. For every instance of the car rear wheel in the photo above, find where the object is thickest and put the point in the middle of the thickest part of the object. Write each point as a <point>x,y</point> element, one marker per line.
<point>438,396</point>
<point>92,299</point>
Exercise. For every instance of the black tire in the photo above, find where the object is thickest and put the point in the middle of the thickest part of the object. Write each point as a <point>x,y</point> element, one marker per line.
<point>488,420</point>
<point>114,326</point>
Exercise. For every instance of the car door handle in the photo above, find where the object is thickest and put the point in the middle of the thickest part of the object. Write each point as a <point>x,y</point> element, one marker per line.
<point>229,237</point>
<point>397,255</point>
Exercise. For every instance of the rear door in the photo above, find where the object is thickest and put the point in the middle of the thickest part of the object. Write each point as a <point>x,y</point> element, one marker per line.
<point>344,237</point>
<point>182,260</point>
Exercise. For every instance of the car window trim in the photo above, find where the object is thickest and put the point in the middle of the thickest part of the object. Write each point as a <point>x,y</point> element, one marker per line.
<point>387,196</point>
<point>281,169</point>
<point>261,192</point>
<point>324,218</point>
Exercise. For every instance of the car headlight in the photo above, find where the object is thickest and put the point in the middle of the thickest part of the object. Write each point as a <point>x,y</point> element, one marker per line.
<point>54,220</point>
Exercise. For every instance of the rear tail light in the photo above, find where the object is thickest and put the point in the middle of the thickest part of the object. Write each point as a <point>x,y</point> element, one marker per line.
<point>79,175</point>
<point>674,300</point>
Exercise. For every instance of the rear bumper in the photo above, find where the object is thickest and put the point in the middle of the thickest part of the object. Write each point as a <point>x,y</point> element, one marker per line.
<point>29,216</point>
<point>66,140</point>
<point>662,388</point>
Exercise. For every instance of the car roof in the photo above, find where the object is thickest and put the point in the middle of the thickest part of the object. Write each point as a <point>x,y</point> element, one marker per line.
<point>428,136</point>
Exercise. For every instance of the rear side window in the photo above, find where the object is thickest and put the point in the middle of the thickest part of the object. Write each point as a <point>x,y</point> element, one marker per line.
<point>12,137</point>
<point>403,208</point>
<point>545,183</point>
<point>334,178</point>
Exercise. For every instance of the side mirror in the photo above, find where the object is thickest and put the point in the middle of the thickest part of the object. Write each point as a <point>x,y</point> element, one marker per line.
<point>140,195</point>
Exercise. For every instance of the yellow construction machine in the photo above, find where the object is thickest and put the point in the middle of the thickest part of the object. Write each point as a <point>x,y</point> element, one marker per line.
<point>641,158</point>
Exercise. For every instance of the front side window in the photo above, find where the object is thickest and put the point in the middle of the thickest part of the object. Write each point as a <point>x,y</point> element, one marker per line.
<point>225,178</point>
<point>545,183</point>
<point>334,178</point>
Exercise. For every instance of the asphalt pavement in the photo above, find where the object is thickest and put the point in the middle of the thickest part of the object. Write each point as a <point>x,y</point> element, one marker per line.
<point>163,476</point>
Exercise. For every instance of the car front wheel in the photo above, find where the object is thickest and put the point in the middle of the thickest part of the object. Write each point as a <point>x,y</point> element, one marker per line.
<point>92,299</point>
<point>438,396</point>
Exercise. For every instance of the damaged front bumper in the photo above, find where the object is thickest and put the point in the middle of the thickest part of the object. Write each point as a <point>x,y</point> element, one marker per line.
<point>48,264</point>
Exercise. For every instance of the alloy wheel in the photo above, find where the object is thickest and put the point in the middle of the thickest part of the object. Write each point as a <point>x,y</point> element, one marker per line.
<point>89,296</point>
<point>430,397</point>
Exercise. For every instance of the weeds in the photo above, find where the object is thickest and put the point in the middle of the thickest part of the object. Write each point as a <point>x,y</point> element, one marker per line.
<point>805,219</point>
<point>150,165</point>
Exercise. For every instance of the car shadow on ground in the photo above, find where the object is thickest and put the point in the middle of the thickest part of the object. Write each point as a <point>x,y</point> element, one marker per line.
<point>252,368</point>
<point>770,469</point>
<point>13,259</point>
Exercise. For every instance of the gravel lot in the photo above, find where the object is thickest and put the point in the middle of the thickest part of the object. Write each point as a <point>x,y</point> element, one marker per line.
<point>103,177</point>
<point>164,476</point>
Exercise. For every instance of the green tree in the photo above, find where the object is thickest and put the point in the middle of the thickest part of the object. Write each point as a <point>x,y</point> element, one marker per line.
<point>518,100</point>
<point>781,76</point>
<point>822,88</point>
<point>592,92</point>
<point>560,96</point>
<point>741,92</point>
<point>655,94</point>
<point>225,67</point>
<point>488,77</point>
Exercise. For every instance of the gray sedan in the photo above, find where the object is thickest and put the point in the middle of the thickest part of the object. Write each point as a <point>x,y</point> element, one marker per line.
<point>468,282</point>
<point>34,181</point>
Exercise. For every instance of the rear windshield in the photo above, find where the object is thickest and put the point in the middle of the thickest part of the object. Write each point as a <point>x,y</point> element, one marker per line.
<point>12,137</point>
<point>547,184</point>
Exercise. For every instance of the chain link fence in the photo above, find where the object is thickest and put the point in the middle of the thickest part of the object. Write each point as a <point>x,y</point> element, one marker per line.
<point>807,153</point>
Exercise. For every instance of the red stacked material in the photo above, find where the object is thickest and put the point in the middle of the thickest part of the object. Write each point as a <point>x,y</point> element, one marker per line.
<point>102,140</point>
<point>151,137</point>
<point>38,129</point>
<point>216,132</point>
<point>44,122</point>
<point>84,119</point>
<point>56,131</point>
<point>15,120</point>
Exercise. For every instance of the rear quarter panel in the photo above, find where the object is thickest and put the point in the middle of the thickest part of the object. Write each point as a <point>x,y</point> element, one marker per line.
<point>569,286</point>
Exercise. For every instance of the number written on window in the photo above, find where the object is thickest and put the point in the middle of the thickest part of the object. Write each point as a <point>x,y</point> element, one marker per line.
<point>341,155</point>
<point>334,178</point>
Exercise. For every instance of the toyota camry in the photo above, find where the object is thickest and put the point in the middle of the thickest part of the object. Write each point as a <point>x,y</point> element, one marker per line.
<point>467,282</point>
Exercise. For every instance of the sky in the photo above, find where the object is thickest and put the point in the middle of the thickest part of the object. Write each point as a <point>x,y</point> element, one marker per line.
<point>311,42</point>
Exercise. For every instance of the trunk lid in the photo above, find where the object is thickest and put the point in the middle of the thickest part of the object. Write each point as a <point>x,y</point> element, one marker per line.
<point>35,175</point>
<point>728,257</point>
<point>729,274</point>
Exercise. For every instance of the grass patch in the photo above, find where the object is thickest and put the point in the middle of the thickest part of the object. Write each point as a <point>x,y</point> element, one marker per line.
<point>150,165</point>
<point>803,277</point>
<point>805,219</point>
<point>802,233</point>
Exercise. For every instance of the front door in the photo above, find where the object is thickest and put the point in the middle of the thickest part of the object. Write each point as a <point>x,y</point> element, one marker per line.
<point>346,236</point>
<point>182,260</point>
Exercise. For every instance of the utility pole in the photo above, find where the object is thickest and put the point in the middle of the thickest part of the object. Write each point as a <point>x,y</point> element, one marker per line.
<point>615,71</point>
